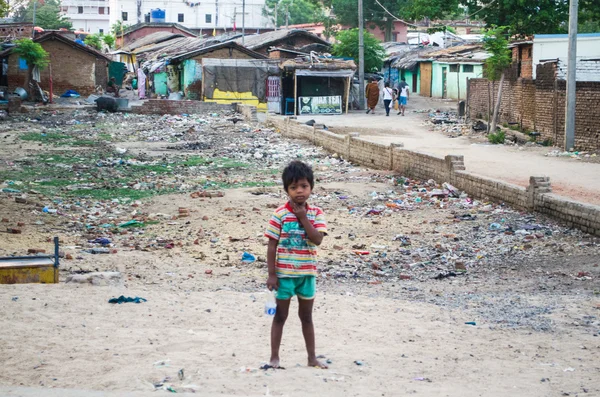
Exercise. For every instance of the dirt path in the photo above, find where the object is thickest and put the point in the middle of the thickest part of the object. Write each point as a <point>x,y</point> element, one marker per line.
<point>569,177</point>
<point>416,295</point>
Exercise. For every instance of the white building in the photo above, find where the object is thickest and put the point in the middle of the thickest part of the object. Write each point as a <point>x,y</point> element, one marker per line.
<point>87,15</point>
<point>96,16</point>
<point>549,47</point>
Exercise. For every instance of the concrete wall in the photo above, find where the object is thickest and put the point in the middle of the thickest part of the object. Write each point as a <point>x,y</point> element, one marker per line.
<point>556,46</point>
<point>536,197</point>
<point>538,105</point>
<point>399,30</point>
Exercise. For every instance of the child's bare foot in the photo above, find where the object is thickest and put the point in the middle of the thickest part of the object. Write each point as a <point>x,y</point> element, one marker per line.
<point>314,362</point>
<point>274,362</point>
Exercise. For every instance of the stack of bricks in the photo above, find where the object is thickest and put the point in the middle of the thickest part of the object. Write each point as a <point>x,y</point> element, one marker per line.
<point>164,106</point>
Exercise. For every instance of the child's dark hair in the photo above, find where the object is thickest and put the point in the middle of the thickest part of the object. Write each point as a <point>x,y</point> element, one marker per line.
<point>295,171</point>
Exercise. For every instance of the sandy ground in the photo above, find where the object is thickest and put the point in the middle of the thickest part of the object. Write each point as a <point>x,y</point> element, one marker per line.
<point>536,309</point>
<point>569,177</point>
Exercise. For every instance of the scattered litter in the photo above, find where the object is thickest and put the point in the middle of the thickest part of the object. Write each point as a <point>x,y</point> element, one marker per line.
<point>123,299</point>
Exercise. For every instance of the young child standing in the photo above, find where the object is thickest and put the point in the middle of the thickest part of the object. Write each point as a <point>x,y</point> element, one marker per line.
<point>294,231</point>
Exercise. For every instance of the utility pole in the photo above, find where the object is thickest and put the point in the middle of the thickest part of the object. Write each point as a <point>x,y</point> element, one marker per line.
<point>243,20</point>
<point>571,77</point>
<point>287,16</point>
<point>34,10</point>
<point>276,4</point>
<point>361,56</point>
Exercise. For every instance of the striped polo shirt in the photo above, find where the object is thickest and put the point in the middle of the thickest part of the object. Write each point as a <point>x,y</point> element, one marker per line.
<point>296,254</point>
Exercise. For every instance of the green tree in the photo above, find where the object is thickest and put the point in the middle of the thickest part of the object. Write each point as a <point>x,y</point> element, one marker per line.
<point>94,41</point>
<point>47,15</point>
<point>299,11</point>
<point>346,12</point>
<point>118,27</point>
<point>4,8</point>
<point>35,56</point>
<point>496,43</point>
<point>109,40</point>
<point>348,47</point>
<point>522,17</point>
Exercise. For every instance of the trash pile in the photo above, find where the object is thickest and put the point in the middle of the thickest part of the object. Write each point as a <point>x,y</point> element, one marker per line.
<point>574,155</point>
<point>448,123</point>
<point>465,235</point>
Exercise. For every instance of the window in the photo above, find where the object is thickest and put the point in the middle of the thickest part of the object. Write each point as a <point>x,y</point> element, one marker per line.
<point>80,10</point>
<point>101,31</point>
<point>468,68</point>
<point>453,68</point>
<point>147,18</point>
<point>108,10</point>
<point>64,9</point>
<point>124,15</point>
<point>179,17</point>
<point>101,10</point>
<point>208,18</point>
<point>22,64</point>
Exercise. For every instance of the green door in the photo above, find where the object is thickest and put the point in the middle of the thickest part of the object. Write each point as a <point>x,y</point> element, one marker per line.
<point>116,69</point>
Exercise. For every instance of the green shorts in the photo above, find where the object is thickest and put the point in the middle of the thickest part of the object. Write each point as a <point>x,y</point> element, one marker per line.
<point>305,287</point>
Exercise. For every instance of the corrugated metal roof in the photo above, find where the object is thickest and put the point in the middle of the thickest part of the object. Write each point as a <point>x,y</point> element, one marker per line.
<point>152,38</point>
<point>260,40</point>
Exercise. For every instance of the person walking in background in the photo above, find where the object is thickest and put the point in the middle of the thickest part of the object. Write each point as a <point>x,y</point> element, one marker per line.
<point>388,96</point>
<point>403,99</point>
<point>372,95</point>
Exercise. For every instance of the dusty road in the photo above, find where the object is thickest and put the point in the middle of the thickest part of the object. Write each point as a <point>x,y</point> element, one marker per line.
<point>569,177</point>
<point>403,309</point>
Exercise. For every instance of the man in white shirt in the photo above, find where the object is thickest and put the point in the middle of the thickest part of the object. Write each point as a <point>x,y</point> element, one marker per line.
<point>403,98</point>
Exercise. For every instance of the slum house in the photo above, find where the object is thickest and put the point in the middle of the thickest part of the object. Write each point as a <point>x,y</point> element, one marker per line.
<point>451,68</point>
<point>522,58</point>
<point>285,38</point>
<point>73,66</point>
<point>403,62</point>
<point>174,65</point>
<point>190,68</point>
<point>238,80</point>
<point>141,30</point>
<point>315,85</point>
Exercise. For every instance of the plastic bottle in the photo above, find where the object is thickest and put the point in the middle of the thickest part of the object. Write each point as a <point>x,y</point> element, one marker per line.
<point>270,304</point>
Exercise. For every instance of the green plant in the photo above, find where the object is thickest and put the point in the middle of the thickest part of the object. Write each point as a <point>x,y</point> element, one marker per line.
<point>497,138</point>
<point>33,53</point>
<point>94,41</point>
<point>347,46</point>
<point>109,40</point>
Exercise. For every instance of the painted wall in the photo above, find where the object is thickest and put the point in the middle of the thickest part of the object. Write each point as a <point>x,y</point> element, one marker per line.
<point>192,79</point>
<point>160,83</point>
<point>399,31</point>
<point>556,46</point>
<point>408,76</point>
<point>456,82</point>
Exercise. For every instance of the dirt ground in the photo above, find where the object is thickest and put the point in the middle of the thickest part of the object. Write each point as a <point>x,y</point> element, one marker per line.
<point>416,295</point>
<point>574,178</point>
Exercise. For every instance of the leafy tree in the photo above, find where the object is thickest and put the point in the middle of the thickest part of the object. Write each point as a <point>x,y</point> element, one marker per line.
<point>347,10</point>
<point>300,11</point>
<point>35,56</point>
<point>348,47</point>
<point>94,41</point>
<point>109,40</point>
<point>47,15</point>
<point>522,17</point>
<point>496,43</point>
<point>4,8</point>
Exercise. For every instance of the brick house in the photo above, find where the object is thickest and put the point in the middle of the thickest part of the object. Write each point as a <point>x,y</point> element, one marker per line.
<point>74,66</point>
<point>522,58</point>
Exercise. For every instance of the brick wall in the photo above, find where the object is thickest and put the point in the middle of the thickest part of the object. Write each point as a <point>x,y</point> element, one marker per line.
<point>72,69</point>
<point>164,106</point>
<point>539,105</point>
<point>536,197</point>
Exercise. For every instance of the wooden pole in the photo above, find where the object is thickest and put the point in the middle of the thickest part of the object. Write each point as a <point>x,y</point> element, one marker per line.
<point>295,91</point>
<point>50,81</point>
<point>349,82</point>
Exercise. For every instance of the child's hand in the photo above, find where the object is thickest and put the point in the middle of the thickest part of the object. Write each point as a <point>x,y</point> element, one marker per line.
<point>299,210</point>
<point>273,283</point>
